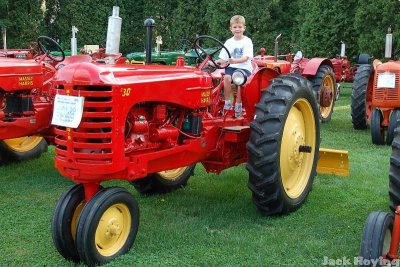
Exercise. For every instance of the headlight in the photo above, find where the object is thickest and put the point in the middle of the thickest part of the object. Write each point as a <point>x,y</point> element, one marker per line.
<point>239,77</point>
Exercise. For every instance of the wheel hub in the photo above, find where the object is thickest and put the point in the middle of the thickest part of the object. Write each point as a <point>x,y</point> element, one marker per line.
<point>327,96</point>
<point>296,158</point>
<point>113,228</point>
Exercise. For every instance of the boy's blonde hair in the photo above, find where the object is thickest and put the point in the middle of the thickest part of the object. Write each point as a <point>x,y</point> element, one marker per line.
<point>238,19</point>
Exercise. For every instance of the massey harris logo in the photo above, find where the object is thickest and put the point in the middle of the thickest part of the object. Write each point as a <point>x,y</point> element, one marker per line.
<point>25,81</point>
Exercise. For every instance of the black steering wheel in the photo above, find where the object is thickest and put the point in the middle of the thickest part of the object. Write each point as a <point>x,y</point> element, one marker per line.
<point>204,56</point>
<point>49,46</point>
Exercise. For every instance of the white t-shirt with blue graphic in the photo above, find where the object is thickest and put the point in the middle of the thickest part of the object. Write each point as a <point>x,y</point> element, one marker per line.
<point>238,49</point>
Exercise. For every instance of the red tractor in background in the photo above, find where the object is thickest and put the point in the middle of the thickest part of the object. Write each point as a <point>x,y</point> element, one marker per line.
<point>26,100</point>
<point>375,99</point>
<point>132,122</point>
<point>344,71</point>
<point>318,70</point>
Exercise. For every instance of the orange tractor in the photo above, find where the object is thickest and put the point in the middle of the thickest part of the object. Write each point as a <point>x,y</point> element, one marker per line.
<point>150,124</point>
<point>318,70</point>
<point>375,99</point>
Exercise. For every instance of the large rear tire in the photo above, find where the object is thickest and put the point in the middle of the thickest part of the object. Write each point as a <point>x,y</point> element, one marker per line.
<point>22,148</point>
<point>107,226</point>
<point>325,84</point>
<point>283,146</point>
<point>377,131</point>
<point>376,238</point>
<point>394,172</point>
<point>359,97</point>
<point>164,181</point>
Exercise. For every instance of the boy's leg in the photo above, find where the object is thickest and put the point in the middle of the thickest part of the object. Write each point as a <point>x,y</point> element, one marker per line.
<point>227,91</point>
<point>238,105</point>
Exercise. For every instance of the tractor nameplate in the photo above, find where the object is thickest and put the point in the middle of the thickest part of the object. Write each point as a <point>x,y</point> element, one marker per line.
<point>386,80</point>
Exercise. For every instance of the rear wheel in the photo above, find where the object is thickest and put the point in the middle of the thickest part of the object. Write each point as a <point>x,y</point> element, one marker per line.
<point>324,83</point>
<point>376,237</point>
<point>283,146</point>
<point>107,226</point>
<point>377,131</point>
<point>359,97</point>
<point>23,148</point>
<point>164,181</point>
<point>394,116</point>
<point>64,222</point>
<point>394,172</point>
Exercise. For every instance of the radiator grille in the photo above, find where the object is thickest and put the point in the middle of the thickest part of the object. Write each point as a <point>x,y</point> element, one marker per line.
<point>92,140</point>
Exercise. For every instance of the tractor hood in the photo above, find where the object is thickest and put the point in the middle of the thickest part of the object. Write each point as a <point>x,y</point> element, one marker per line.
<point>124,74</point>
<point>20,74</point>
<point>391,66</point>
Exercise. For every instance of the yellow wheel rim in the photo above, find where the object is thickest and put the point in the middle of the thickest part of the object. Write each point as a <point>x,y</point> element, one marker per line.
<point>113,230</point>
<point>386,242</point>
<point>296,166</point>
<point>172,174</point>
<point>327,85</point>
<point>75,217</point>
<point>23,144</point>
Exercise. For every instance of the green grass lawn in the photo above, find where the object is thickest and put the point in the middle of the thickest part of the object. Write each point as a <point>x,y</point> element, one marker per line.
<point>212,222</point>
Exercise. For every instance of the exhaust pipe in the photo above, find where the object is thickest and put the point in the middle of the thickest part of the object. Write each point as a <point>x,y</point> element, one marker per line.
<point>149,24</point>
<point>342,49</point>
<point>277,39</point>
<point>4,32</point>
<point>113,32</point>
<point>388,43</point>
<point>74,43</point>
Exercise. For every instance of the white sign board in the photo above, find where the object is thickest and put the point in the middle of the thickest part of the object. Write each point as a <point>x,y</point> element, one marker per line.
<point>386,80</point>
<point>67,111</point>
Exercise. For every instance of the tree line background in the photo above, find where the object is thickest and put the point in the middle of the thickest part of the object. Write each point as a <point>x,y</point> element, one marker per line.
<point>314,26</point>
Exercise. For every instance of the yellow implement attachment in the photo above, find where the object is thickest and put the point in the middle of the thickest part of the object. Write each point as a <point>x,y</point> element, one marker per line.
<point>333,162</point>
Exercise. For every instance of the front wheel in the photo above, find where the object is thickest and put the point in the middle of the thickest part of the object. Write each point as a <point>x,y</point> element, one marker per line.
<point>283,145</point>
<point>107,226</point>
<point>376,238</point>
<point>64,222</point>
<point>377,131</point>
<point>165,181</point>
<point>23,148</point>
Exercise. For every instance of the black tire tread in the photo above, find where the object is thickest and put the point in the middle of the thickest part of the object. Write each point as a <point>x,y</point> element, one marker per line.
<point>358,97</point>
<point>264,144</point>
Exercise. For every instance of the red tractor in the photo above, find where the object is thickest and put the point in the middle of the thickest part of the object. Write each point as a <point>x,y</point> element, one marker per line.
<point>26,100</point>
<point>381,236</point>
<point>375,99</point>
<point>318,70</point>
<point>150,125</point>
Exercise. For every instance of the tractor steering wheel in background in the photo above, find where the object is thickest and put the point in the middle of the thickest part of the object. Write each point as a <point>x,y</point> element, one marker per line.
<point>185,45</point>
<point>49,46</point>
<point>204,56</point>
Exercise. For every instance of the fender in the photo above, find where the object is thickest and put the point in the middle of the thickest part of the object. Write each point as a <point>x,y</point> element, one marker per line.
<point>251,93</point>
<point>313,65</point>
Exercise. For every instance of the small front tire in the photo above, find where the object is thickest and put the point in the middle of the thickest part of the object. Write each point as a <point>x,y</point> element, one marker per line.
<point>64,222</point>
<point>107,226</point>
<point>376,237</point>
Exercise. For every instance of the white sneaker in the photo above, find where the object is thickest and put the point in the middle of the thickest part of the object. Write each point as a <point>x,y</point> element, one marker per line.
<point>228,105</point>
<point>238,110</point>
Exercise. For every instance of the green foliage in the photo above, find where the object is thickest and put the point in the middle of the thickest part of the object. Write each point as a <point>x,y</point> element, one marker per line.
<point>315,26</point>
<point>372,20</point>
